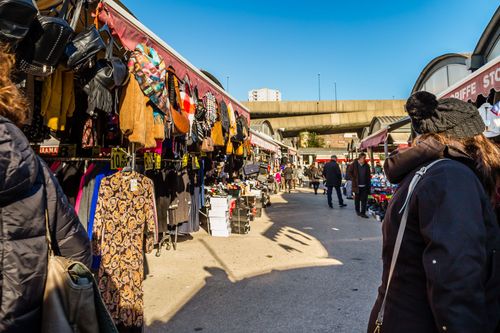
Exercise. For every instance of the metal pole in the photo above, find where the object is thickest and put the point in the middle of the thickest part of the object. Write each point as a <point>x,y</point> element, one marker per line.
<point>386,149</point>
<point>319,87</point>
<point>336,105</point>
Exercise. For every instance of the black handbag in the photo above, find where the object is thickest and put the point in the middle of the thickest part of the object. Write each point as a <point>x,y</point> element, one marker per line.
<point>40,52</point>
<point>108,74</point>
<point>84,47</point>
<point>16,17</point>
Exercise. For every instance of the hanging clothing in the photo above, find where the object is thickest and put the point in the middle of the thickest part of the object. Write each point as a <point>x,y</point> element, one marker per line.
<point>58,99</point>
<point>232,120</point>
<point>173,197</point>
<point>150,72</point>
<point>124,226</point>
<point>137,115</point>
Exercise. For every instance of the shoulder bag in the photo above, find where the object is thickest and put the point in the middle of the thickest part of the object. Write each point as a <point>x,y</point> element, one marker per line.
<point>399,238</point>
<point>71,300</point>
<point>40,52</point>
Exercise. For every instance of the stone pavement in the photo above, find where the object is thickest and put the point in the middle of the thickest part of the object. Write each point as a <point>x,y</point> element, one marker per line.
<point>302,268</point>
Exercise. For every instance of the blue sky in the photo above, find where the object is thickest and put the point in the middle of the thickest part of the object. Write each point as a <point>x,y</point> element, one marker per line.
<point>372,49</point>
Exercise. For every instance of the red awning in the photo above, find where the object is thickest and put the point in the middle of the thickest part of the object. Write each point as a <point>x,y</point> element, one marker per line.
<point>131,32</point>
<point>260,140</point>
<point>478,83</point>
<point>375,139</point>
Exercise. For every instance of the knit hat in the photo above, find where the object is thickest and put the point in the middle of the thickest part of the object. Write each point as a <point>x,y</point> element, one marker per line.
<point>456,118</point>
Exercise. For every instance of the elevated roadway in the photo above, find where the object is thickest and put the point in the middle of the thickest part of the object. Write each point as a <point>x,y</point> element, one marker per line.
<point>324,117</point>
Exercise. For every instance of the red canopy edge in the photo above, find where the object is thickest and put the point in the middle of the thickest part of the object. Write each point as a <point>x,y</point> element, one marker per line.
<point>131,32</point>
<point>260,140</point>
<point>478,83</point>
<point>375,139</point>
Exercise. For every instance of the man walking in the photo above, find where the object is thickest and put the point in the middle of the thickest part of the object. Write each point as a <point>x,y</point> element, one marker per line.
<point>288,174</point>
<point>333,176</point>
<point>360,174</point>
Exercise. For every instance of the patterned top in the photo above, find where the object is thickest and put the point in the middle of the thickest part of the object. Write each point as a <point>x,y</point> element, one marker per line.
<point>124,226</point>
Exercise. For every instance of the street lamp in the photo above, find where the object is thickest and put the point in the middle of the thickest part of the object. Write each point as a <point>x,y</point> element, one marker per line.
<point>319,87</point>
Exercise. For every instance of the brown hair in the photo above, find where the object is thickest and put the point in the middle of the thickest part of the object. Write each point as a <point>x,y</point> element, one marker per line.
<point>12,104</point>
<point>483,151</point>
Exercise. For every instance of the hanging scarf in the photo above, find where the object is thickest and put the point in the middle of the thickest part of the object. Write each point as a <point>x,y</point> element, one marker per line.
<point>150,72</point>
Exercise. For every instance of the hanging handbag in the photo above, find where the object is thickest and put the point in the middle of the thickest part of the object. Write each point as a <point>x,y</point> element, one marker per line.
<point>40,52</point>
<point>108,74</point>
<point>16,17</point>
<point>82,50</point>
<point>207,145</point>
<point>71,301</point>
<point>405,210</point>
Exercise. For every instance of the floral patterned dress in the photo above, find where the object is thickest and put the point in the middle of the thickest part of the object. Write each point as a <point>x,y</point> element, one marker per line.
<point>124,227</point>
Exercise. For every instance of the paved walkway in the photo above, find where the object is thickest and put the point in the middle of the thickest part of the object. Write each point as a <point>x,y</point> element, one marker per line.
<point>302,268</point>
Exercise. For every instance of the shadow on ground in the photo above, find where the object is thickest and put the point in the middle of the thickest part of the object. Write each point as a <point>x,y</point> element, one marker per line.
<point>332,298</point>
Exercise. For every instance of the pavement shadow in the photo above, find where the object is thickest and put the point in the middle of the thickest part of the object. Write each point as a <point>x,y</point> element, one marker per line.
<point>298,300</point>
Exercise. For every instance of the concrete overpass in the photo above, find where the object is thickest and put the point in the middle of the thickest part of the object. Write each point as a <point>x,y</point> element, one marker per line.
<point>324,117</point>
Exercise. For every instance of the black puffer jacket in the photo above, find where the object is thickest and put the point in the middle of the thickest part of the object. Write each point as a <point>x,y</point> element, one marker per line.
<point>23,246</point>
<point>447,276</point>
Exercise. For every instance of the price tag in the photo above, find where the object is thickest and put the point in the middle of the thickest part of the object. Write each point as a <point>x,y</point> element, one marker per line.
<point>157,161</point>
<point>119,159</point>
<point>149,161</point>
<point>133,185</point>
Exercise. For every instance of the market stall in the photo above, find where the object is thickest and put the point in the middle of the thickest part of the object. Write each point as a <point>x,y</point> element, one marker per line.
<point>140,139</point>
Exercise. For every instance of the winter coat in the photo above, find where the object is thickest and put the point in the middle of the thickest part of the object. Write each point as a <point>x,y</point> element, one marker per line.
<point>314,175</point>
<point>288,173</point>
<point>23,245</point>
<point>353,173</point>
<point>446,277</point>
<point>332,174</point>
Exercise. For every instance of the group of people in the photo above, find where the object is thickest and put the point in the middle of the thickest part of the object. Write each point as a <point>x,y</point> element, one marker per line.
<point>287,178</point>
<point>358,177</point>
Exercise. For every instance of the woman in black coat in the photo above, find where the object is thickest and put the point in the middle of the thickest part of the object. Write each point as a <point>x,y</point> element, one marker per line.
<point>27,188</point>
<point>446,277</point>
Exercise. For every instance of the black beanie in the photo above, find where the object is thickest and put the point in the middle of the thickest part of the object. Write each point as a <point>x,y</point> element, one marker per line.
<point>456,118</point>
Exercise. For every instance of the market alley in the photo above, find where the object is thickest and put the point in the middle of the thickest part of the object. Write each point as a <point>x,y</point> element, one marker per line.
<point>302,268</point>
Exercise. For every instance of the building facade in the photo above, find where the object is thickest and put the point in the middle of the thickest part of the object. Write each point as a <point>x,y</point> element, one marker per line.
<point>264,95</point>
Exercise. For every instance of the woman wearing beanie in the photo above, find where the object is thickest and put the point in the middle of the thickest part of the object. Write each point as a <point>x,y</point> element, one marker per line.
<point>447,274</point>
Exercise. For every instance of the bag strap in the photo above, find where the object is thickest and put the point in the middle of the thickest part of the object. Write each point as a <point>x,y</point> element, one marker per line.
<point>399,239</point>
<point>47,225</point>
<point>77,12</point>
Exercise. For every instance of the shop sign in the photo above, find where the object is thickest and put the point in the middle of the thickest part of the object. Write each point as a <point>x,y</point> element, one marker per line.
<point>479,84</point>
<point>64,150</point>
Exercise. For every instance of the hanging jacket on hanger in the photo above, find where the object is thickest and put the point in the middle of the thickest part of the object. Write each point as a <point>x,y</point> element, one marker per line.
<point>58,99</point>
<point>136,115</point>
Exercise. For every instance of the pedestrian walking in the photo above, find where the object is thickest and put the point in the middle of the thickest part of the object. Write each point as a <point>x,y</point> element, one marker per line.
<point>277,178</point>
<point>295,176</point>
<point>288,176</point>
<point>30,199</point>
<point>314,177</point>
<point>360,174</point>
<point>333,179</point>
<point>442,275</point>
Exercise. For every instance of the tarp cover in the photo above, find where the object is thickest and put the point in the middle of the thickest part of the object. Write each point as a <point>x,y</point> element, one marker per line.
<point>374,140</point>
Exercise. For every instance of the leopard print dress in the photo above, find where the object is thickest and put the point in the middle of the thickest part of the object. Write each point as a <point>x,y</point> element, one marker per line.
<point>124,227</point>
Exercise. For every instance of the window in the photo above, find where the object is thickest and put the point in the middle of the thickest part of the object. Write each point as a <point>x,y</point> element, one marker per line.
<point>444,77</point>
<point>495,51</point>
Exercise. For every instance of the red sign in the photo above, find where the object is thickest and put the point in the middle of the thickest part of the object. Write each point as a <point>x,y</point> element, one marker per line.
<point>478,83</point>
